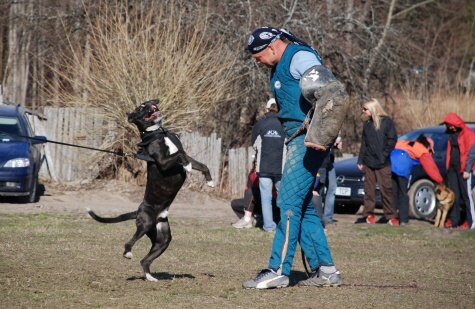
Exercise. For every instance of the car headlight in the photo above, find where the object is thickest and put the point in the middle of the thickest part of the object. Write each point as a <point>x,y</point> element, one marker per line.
<point>18,162</point>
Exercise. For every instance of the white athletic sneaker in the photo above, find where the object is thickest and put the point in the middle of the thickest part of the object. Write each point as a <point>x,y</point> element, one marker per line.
<point>267,279</point>
<point>242,224</point>
<point>320,278</point>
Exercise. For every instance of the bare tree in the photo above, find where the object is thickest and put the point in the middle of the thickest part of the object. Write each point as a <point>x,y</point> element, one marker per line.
<point>18,59</point>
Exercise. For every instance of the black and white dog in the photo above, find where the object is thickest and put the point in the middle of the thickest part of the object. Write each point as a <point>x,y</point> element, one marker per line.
<point>166,164</point>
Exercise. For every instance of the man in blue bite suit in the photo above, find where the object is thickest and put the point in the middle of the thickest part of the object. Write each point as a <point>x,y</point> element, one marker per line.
<point>300,83</point>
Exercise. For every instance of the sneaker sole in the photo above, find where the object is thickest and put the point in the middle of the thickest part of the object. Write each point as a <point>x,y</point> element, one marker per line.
<point>321,285</point>
<point>263,285</point>
<point>268,288</point>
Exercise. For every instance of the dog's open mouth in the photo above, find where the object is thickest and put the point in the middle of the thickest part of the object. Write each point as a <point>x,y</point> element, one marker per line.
<point>153,116</point>
<point>155,113</point>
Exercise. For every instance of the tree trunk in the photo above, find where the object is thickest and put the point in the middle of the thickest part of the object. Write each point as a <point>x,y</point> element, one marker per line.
<point>374,53</point>
<point>19,37</point>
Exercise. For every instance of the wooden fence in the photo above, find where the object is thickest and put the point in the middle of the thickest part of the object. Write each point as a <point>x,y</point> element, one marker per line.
<point>239,165</point>
<point>86,127</point>
<point>206,150</point>
<point>78,126</point>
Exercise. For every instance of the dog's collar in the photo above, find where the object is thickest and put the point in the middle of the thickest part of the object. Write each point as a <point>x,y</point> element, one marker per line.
<point>150,136</point>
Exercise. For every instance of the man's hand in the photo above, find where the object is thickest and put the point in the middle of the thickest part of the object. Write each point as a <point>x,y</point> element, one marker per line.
<point>360,166</point>
<point>466,175</point>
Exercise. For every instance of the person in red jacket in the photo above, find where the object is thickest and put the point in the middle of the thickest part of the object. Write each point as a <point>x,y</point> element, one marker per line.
<point>461,139</point>
<point>404,157</point>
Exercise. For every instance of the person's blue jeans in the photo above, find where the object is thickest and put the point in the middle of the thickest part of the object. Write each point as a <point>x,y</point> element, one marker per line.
<point>329,209</point>
<point>265,187</point>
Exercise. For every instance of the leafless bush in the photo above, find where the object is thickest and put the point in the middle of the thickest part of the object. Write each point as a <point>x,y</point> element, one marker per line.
<point>134,53</point>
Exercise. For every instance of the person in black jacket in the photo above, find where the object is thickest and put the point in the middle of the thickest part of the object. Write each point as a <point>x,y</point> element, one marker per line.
<point>268,140</point>
<point>378,140</point>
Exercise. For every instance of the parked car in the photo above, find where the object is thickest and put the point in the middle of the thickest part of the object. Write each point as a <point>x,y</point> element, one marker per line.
<point>20,154</point>
<point>422,201</point>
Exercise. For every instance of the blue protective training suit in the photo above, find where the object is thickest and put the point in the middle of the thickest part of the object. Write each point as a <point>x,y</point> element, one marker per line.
<point>298,215</point>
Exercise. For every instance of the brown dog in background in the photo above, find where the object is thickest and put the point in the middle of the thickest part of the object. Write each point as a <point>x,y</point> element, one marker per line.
<point>446,198</point>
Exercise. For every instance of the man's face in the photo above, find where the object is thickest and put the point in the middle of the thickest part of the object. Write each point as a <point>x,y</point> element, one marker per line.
<point>266,57</point>
<point>450,127</point>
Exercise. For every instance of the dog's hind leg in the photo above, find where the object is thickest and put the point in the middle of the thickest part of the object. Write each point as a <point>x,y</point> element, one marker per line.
<point>161,238</point>
<point>202,168</point>
<point>143,223</point>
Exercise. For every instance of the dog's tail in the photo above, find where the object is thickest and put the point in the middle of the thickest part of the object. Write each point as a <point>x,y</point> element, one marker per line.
<point>121,218</point>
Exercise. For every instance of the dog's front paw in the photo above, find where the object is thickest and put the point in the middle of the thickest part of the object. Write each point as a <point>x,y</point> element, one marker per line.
<point>188,167</point>
<point>210,183</point>
<point>128,255</point>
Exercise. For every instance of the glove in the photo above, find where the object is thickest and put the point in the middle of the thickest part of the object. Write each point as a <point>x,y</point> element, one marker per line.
<point>444,195</point>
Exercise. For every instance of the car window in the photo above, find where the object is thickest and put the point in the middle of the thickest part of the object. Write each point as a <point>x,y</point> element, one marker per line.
<point>440,144</point>
<point>410,136</point>
<point>440,141</point>
<point>10,129</point>
<point>31,133</point>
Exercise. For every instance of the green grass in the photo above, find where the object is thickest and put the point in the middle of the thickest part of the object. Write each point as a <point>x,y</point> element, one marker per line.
<point>67,261</point>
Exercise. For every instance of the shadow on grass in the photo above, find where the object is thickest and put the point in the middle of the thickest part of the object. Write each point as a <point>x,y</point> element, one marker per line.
<point>297,276</point>
<point>163,276</point>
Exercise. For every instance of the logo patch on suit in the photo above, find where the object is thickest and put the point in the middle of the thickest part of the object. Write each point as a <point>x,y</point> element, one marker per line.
<point>272,133</point>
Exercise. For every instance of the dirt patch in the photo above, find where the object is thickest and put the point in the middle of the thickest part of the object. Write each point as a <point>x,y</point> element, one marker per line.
<point>113,197</point>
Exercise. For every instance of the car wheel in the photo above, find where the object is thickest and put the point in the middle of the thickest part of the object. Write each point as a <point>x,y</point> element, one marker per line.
<point>31,197</point>
<point>422,201</point>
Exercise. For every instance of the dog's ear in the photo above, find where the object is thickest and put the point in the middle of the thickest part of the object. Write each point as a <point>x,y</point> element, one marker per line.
<point>445,195</point>
<point>130,117</point>
<point>151,102</point>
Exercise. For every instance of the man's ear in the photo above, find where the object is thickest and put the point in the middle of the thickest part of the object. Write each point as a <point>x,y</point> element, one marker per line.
<point>272,48</point>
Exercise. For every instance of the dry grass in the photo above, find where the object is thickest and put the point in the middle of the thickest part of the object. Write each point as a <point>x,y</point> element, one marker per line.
<point>53,261</point>
<point>415,111</point>
<point>140,53</point>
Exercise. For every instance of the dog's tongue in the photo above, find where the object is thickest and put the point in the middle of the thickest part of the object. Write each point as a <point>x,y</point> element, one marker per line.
<point>153,116</point>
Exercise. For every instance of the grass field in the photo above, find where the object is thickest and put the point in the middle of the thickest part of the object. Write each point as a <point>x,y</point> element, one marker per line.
<point>66,261</point>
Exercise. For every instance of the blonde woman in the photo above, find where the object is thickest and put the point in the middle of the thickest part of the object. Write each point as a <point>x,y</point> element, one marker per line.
<point>378,140</point>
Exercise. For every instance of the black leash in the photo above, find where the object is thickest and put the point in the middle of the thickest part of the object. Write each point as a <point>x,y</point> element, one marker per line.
<point>302,128</point>
<point>411,284</point>
<point>118,153</point>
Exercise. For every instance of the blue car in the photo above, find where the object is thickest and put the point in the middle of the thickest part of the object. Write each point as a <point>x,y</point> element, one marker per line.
<point>422,202</point>
<point>20,154</point>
